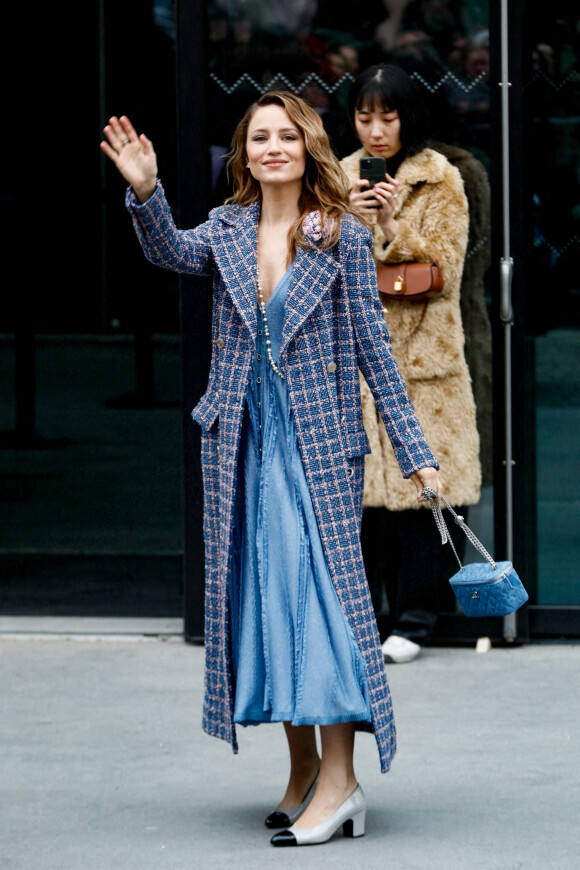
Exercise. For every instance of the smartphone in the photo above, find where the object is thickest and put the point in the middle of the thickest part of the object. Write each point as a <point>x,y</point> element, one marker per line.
<point>373,169</point>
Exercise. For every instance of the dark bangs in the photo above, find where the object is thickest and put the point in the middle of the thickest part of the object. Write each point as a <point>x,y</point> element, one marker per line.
<point>386,88</point>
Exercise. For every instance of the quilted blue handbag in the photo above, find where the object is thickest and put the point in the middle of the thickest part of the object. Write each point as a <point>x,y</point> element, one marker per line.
<point>482,589</point>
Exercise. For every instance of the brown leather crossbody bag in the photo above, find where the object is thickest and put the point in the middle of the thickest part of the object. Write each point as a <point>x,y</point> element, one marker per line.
<point>415,282</point>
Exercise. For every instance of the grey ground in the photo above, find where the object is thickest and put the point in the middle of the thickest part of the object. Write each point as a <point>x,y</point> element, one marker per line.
<point>105,764</point>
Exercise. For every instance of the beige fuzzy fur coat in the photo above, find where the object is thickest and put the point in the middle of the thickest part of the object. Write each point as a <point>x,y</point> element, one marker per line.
<point>427,338</point>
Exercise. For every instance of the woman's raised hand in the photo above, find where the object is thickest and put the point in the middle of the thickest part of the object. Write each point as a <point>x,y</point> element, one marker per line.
<point>133,156</point>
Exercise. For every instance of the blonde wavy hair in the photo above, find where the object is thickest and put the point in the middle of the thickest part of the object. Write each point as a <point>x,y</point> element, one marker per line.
<point>324,184</point>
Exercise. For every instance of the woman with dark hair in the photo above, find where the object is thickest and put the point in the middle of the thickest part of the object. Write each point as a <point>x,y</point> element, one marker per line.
<point>290,633</point>
<point>419,213</point>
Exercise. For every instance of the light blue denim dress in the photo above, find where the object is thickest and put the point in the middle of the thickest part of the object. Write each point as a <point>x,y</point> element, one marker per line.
<point>294,655</point>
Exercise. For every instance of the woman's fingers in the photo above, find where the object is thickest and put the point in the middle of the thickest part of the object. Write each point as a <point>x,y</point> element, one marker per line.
<point>362,197</point>
<point>385,199</point>
<point>110,152</point>
<point>115,133</point>
<point>426,477</point>
<point>366,199</point>
<point>120,132</point>
<point>128,128</point>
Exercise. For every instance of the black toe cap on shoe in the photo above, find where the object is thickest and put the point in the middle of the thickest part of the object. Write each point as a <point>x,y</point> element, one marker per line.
<point>277,819</point>
<point>284,838</point>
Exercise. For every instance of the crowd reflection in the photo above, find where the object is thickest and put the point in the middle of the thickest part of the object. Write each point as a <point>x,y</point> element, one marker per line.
<point>317,48</point>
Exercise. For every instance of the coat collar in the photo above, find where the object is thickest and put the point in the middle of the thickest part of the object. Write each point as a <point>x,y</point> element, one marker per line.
<point>235,245</point>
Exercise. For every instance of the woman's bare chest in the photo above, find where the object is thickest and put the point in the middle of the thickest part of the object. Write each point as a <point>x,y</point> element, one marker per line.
<point>272,259</point>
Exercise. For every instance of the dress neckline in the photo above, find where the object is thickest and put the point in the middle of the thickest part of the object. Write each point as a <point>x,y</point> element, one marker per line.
<point>281,281</point>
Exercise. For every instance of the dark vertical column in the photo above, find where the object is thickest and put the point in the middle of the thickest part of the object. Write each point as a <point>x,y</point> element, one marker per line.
<point>522,366</point>
<point>195,293</point>
<point>29,262</point>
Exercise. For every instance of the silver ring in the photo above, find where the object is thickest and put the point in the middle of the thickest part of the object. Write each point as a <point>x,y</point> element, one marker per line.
<point>124,142</point>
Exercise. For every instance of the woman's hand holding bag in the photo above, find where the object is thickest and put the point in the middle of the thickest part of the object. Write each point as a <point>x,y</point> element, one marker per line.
<point>492,589</point>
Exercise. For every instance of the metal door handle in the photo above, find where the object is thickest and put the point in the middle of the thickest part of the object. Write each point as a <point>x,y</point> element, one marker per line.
<point>506,311</point>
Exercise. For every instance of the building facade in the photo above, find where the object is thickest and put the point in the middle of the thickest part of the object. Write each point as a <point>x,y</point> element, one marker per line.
<point>102,356</point>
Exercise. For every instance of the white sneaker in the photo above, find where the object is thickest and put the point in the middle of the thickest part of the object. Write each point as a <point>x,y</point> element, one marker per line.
<point>399,649</point>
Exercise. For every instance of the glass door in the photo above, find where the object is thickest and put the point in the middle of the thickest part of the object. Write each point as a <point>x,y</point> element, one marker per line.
<point>551,127</point>
<point>316,50</point>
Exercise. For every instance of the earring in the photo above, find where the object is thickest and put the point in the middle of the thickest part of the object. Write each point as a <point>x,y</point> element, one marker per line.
<point>248,165</point>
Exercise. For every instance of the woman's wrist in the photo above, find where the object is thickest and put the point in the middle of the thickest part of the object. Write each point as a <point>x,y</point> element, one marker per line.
<point>390,229</point>
<point>145,191</point>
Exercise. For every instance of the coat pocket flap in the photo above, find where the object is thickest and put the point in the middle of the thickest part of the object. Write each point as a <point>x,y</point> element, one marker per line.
<point>206,411</point>
<point>357,443</point>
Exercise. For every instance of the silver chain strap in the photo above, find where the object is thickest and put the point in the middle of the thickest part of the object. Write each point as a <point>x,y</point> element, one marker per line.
<point>430,495</point>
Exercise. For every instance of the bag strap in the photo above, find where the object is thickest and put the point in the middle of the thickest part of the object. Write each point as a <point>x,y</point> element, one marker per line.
<point>430,495</point>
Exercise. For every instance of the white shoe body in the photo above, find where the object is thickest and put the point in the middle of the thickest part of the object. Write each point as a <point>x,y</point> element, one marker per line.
<point>400,649</point>
<point>350,814</point>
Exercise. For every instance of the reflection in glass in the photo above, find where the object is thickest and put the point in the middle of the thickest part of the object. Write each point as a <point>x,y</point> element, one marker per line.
<point>553,316</point>
<point>316,49</point>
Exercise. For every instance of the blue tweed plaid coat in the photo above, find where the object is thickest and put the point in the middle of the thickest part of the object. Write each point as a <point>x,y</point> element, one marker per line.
<point>333,325</point>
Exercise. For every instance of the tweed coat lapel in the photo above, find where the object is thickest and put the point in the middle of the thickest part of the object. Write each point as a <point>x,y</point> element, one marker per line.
<point>234,249</point>
<point>313,273</point>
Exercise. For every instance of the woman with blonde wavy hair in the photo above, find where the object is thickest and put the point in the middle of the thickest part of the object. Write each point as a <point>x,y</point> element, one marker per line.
<point>290,633</point>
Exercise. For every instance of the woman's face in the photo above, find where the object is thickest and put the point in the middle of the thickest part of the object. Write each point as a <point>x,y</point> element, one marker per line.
<point>379,130</point>
<point>275,147</point>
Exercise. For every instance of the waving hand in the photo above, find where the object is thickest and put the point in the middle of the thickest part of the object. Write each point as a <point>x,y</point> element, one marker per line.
<point>133,155</point>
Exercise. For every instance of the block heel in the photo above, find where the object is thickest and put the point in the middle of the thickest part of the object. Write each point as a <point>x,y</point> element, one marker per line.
<point>355,827</point>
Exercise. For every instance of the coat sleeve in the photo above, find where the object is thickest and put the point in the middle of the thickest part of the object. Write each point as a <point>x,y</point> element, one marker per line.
<point>186,251</point>
<point>442,234</point>
<point>375,358</point>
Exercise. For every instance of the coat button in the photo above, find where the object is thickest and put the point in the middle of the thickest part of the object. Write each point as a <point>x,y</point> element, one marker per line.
<point>343,419</point>
<point>331,367</point>
<point>349,471</point>
<point>220,343</point>
<point>217,395</point>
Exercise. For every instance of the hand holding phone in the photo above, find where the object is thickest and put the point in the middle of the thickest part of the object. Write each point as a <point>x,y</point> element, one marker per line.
<point>375,193</point>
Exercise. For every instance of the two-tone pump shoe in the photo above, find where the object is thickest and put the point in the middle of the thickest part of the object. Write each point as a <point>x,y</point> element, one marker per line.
<point>286,818</point>
<point>351,815</point>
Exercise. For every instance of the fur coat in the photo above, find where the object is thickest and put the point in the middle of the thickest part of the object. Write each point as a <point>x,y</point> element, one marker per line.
<point>474,314</point>
<point>427,339</point>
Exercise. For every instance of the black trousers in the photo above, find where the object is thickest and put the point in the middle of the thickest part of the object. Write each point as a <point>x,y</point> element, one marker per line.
<point>403,556</point>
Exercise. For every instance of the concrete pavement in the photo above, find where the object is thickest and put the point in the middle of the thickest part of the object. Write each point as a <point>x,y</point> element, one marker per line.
<point>105,764</point>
